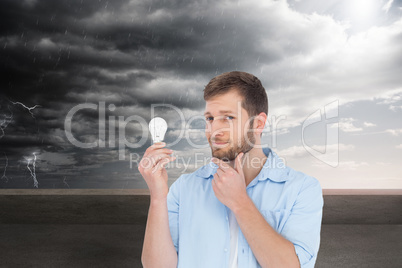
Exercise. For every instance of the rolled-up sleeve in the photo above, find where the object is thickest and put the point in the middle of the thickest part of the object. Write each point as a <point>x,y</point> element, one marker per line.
<point>303,226</point>
<point>173,201</point>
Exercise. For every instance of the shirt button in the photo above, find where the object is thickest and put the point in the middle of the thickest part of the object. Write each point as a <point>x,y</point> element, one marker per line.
<point>243,250</point>
<point>226,250</point>
<point>227,218</point>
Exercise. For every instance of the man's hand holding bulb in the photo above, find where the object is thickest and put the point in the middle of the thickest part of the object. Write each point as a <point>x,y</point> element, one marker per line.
<point>152,165</point>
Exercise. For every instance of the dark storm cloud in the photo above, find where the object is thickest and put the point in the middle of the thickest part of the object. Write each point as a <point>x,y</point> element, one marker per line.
<point>68,37</point>
<point>53,49</point>
<point>133,54</point>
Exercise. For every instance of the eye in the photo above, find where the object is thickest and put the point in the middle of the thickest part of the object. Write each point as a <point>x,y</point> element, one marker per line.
<point>209,118</point>
<point>229,117</point>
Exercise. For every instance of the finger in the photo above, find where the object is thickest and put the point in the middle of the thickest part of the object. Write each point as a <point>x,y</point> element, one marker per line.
<point>151,161</point>
<point>222,165</point>
<point>159,151</point>
<point>158,144</point>
<point>219,172</point>
<point>162,163</point>
<point>215,179</point>
<point>155,146</point>
<point>238,164</point>
<point>216,176</point>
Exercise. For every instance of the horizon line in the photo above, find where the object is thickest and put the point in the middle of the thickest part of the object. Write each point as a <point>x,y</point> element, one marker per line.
<point>146,191</point>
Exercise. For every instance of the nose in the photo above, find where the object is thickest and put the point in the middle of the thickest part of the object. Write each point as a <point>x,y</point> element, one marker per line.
<point>217,128</point>
<point>217,133</point>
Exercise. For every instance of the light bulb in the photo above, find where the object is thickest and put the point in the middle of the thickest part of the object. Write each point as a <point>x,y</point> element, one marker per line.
<point>157,127</point>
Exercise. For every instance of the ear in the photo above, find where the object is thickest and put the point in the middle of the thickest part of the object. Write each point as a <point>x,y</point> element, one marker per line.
<point>259,122</point>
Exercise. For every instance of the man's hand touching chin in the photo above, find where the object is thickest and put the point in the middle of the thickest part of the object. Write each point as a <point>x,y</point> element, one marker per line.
<point>229,184</point>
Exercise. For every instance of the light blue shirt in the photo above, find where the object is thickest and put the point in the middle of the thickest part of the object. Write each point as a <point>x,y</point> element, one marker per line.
<point>290,201</point>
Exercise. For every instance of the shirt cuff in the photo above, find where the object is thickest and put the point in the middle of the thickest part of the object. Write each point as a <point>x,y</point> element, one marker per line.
<point>305,258</point>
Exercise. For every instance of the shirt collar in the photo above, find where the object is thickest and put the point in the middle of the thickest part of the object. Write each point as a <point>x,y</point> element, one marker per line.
<point>273,169</point>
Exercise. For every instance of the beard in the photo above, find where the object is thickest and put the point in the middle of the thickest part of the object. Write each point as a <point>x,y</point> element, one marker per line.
<point>230,153</point>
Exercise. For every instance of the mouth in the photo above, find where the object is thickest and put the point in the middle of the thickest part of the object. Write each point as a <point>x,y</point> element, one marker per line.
<point>218,143</point>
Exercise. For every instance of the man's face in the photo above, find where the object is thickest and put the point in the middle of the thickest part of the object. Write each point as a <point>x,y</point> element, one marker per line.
<point>227,125</point>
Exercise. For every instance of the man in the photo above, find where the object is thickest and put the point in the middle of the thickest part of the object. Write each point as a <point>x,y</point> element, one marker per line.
<point>245,208</point>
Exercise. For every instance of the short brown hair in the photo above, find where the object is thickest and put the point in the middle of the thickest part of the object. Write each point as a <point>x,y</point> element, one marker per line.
<point>248,86</point>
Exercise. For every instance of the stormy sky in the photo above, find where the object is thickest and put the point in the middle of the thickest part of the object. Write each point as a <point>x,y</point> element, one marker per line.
<point>80,80</point>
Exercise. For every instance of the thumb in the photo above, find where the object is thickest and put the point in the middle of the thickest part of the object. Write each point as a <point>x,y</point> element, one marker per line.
<point>238,164</point>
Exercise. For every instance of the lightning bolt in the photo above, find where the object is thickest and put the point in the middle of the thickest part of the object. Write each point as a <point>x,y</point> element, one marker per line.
<point>33,173</point>
<point>64,181</point>
<point>6,120</point>
<point>5,169</point>
<point>26,107</point>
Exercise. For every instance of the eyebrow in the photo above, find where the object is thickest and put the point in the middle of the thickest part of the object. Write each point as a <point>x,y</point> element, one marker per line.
<point>222,112</point>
